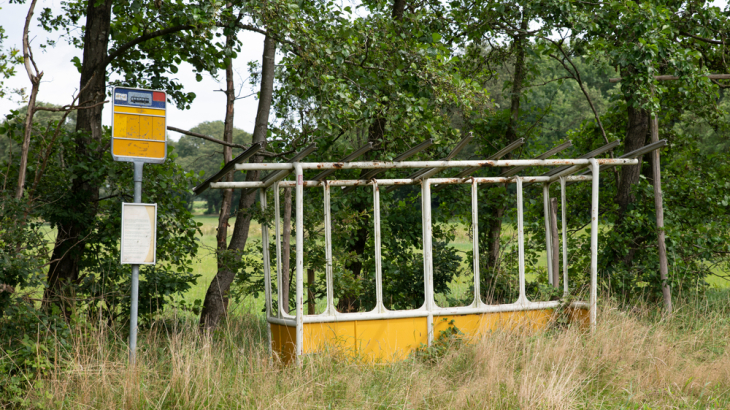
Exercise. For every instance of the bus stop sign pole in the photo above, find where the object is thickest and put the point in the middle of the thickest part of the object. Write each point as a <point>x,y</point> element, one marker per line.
<point>135,272</point>
<point>139,121</point>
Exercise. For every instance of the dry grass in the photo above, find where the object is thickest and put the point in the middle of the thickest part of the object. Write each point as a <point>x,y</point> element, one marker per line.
<point>634,359</point>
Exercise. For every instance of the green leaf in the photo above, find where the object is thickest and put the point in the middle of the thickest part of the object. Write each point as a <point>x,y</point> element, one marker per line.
<point>77,63</point>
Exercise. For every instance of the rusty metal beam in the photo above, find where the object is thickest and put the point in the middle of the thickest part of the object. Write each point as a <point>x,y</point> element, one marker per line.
<point>428,172</point>
<point>402,157</point>
<point>499,154</point>
<point>357,154</point>
<point>230,166</point>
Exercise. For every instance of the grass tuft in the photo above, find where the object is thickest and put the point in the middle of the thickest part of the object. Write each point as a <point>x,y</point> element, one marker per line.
<point>634,359</point>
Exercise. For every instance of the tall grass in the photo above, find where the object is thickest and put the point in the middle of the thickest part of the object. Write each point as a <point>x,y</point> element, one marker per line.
<point>634,359</point>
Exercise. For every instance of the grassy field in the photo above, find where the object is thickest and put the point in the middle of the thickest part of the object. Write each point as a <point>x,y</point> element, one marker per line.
<point>634,360</point>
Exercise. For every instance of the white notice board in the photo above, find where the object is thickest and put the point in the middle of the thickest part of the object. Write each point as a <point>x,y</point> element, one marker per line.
<point>139,234</point>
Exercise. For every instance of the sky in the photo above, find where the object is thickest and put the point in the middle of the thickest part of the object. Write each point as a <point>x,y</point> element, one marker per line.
<point>61,79</point>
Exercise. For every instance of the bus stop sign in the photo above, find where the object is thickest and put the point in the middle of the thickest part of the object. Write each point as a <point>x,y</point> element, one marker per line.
<point>138,125</point>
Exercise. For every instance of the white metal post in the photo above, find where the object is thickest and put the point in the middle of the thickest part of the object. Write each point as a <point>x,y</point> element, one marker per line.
<point>277,228</point>
<point>267,264</point>
<point>475,242</point>
<point>594,242</point>
<point>548,237</point>
<point>564,226</point>
<point>427,254</point>
<point>300,259</point>
<point>521,243</point>
<point>378,257</point>
<point>328,249</point>
<point>135,274</point>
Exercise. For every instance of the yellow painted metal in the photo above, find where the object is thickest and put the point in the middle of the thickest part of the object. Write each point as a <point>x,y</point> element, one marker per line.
<point>137,110</point>
<point>321,336</point>
<point>479,325</point>
<point>139,148</point>
<point>139,127</point>
<point>283,342</point>
<point>139,132</point>
<point>389,340</point>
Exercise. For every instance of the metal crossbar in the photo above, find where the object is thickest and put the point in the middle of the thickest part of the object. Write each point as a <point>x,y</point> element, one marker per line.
<point>563,174</point>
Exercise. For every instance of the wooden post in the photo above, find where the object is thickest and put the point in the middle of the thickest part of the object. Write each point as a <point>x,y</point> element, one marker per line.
<point>658,200</point>
<point>659,209</point>
<point>555,257</point>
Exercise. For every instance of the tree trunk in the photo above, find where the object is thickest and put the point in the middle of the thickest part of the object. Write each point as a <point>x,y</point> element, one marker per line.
<point>351,303</point>
<point>376,134</point>
<point>225,211</point>
<point>310,292</point>
<point>286,251</point>
<point>70,243</point>
<point>398,8</point>
<point>215,304</point>
<point>636,133</point>
<point>26,139</point>
<point>35,80</point>
<point>638,128</point>
<point>497,212</point>
<point>517,80</point>
<point>225,208</point>
<point>494,233</point>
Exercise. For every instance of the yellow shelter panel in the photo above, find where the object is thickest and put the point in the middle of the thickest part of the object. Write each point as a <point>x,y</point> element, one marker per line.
<point>284,341</point>
<point>137,110</point>
<point>335,335</point>
<point>138,148</point>
<point>139,127</point>
<point>477,325</point>
<point>580,316</point>
<point>381,340</point>
<point>390,339</point>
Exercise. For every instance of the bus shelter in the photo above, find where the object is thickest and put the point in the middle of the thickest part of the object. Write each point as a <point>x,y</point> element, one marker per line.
<point>384,334</point>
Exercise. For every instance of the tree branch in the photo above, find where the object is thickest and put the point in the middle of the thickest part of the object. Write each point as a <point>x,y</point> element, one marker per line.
<point>550,81</point>
<point>35,80</point>
<point>255,29</point>
<point>576,75</point>
<point>141,39</point>
<point>27,53</point>
<point>66,111</point>
<point>70,107</point>
<point>706,40</point>
<point>217,141</point>
<point>206,137</point>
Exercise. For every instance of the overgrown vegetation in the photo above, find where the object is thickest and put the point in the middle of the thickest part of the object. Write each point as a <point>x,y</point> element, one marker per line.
<point>390,74</point>
<point>634,360</point>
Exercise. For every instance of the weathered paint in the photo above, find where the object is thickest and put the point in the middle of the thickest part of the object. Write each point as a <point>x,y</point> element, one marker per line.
<point>391,335</point>
<point>139,148</point>
<point>389,340</point>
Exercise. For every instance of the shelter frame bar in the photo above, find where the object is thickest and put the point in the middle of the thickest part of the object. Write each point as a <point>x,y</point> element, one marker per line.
<point>429,309</point>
